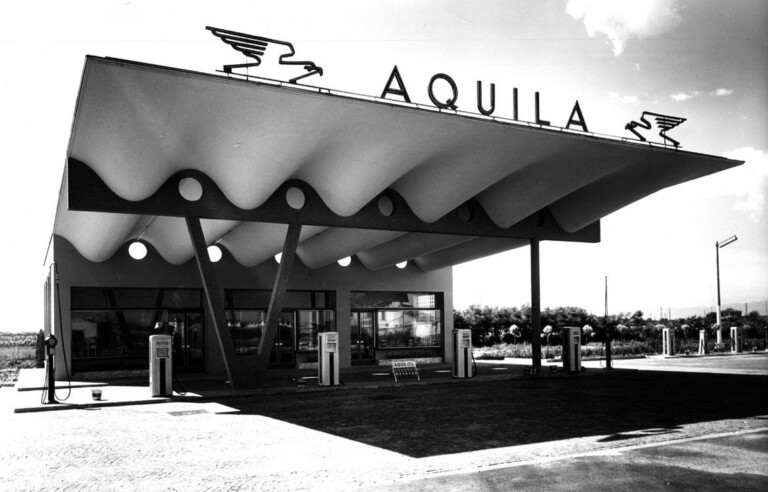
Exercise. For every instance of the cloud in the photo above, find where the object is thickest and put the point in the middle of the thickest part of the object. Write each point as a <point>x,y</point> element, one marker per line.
<point>747,184</point>
<point>622,20</point>
<point>615,97</point>
<point>721,92</point>
<point>684,96</point>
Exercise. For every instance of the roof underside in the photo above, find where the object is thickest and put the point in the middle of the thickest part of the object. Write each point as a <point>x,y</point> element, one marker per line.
<point>137,126</point>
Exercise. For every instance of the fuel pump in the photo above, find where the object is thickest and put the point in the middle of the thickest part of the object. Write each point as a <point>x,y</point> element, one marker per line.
<point>50,350</point>
<point>668,341</point>
<point>736,339</point>
<point>328,359</point>
<point>571,349</point>
<point>462,353</point>
<point>161,365</point>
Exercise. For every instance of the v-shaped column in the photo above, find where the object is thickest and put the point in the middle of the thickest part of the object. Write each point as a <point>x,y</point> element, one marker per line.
<point>243,371</point>
<point>276,300</point>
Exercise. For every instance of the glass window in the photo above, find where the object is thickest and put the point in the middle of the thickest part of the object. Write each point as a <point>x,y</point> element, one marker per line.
<point>182,298</point>
<point>298,299</point>
<point>112,334</point>
<point>133,298</point>
<point>294,299</point>
<point>248,299</point>
<point>246,329</point>
<point>393,300</point>
<point>408,328</point>
<point>426,301</point>
<point>105,298</point>
<point>86,298</point>
<point>312,322</point>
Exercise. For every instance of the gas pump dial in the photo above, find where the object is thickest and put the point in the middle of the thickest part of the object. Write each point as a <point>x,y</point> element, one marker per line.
<point>50,343</point>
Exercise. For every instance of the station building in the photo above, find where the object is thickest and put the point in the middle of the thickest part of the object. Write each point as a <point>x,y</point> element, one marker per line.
<point>250,215</point>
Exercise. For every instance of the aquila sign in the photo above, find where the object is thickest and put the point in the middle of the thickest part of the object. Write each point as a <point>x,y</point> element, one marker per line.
<point>575,119</point>
<point>255,47</point>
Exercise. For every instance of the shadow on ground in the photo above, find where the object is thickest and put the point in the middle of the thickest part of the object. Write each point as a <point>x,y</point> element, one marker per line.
<point>426,420</point>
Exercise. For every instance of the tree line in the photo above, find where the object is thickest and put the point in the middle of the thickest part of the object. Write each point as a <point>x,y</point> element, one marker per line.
<point>493,325</point>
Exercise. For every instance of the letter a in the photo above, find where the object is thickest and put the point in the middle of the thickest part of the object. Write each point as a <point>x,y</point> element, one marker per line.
<point>398,92</point>
<point>578,122</point>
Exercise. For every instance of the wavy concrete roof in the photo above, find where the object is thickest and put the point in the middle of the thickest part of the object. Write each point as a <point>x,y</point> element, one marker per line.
<point>137,125</point>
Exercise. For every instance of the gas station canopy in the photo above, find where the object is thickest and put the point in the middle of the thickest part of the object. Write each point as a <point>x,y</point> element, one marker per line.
<point>370,177</point>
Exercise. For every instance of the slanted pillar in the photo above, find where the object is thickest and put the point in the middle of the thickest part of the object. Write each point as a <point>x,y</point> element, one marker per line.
<point>215,300</point>
<point>535,308</point>
<point>276,300</point>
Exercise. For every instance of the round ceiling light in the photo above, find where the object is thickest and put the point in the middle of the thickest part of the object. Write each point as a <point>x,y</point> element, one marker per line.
<point>402,264</point>
<point>278,257</point>
<point>137,250</point>
<point>345,261</point>
<point>214,253</point>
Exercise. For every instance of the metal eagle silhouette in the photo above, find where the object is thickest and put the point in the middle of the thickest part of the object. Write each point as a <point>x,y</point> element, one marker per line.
<point>663,122</point>
<point>255,47</point>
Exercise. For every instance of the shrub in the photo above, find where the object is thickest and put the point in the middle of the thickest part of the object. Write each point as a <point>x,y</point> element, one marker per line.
<point>523,350</point>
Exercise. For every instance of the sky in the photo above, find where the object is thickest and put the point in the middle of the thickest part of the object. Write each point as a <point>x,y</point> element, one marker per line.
<point>703,60</point>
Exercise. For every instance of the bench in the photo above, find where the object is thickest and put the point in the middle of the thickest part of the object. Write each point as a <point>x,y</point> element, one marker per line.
<point>529,371</point>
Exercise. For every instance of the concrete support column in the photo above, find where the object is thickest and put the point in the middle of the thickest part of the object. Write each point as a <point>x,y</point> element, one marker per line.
<point>343,314</point>
<point>535,308</point>
<point>214,297</point>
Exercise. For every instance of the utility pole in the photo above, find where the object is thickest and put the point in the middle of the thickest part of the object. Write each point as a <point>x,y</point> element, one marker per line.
<point>718,245</point>
<point>608,362</point>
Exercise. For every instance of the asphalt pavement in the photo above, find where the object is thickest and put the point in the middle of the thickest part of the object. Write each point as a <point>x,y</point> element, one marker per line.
<point>216,439</point>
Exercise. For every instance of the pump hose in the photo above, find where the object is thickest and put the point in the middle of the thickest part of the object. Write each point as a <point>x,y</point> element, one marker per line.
<point>181,391</point>
<point>51,385</point>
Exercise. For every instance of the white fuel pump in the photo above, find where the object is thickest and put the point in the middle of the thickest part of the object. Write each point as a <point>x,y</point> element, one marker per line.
<point>161,365</point>
<point>571,349</point>
<point>668,341</point>
<point>462,353</point>
<point>328,359</point>
<point>736,339</point>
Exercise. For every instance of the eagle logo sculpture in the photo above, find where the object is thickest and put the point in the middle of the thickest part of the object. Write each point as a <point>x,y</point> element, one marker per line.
<point>663,122</point>
<point>255,47</point>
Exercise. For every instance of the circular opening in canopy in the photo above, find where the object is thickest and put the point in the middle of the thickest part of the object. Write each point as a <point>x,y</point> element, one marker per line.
<point>466,212</point>
<point>345,261</point>
<point>386,206</point>
<point>214,253</point>
<point>295,198</point>
<point>190,189</point>
<point>137,250</point>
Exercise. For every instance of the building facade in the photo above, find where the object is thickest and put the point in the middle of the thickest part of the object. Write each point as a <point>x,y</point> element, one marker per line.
<point>114,306</point>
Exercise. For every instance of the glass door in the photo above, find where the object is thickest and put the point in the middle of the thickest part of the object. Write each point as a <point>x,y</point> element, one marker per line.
<point>284,350</point>
<point>361,337</point>
<point>188,340</point>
